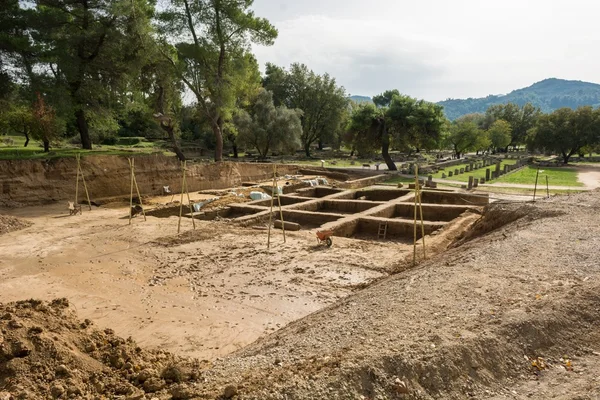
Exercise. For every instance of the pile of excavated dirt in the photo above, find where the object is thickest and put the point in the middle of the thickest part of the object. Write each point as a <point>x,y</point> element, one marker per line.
<point>47,353</point>
<point>10,224</point>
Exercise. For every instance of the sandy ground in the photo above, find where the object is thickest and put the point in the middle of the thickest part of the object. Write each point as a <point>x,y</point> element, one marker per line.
<point>589,176</point>
<point>512,311</point>
<point>205,293</point>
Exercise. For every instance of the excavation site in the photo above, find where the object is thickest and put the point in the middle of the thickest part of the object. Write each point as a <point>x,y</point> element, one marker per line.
<point>152,280</point>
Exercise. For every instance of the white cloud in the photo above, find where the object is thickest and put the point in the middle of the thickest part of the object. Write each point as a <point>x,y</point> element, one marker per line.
<point>436,49</point>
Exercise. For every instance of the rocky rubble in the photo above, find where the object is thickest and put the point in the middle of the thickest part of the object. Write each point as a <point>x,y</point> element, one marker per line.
<point>46,353</point>
<point>10,224</point>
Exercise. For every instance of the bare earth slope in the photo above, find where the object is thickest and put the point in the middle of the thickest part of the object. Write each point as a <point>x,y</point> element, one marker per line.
<point>471,323</point>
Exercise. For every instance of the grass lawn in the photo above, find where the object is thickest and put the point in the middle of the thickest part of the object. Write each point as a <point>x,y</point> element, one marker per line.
<point>477,173</point>
<point>332,163</point>
<point>556,177</point>
<point>35,151</point>
<point>541,191</point>
<point>399,179</point>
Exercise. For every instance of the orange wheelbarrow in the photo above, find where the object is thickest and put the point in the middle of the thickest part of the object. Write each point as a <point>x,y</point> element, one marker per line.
<point>325,237</point>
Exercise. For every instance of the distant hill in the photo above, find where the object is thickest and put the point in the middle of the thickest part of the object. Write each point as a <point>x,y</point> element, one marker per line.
<point>361,99</point>
<point>548,94</point>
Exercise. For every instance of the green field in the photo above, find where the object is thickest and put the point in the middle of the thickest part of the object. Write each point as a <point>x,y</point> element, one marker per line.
<point>35,151</point>
<point>556,177</point>
<point>478,173</point>
<point>333,163</point>
<point>540,193</point>
<point>399,179</point>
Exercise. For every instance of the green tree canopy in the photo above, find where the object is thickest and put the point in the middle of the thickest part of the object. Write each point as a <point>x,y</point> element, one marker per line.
<point>500,134</point>
<point>269,128</point>
<point>464,135</point>
<point>322,101</point>
<point>521,119</point>
<point>211,38</point>
<point>566,131</point>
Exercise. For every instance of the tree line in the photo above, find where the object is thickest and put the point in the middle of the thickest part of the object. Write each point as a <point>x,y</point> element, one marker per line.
<point>109,68</point>
<point>410,125</point>
<point>95,70</point>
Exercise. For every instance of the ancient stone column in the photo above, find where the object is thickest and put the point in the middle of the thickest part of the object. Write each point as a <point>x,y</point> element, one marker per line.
<point>470,185</point>
<point>487,174</point>
<point>475,182</point>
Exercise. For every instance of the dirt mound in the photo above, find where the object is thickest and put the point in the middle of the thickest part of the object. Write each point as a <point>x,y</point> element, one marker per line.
<point>10,224</point>
<point>497,215</point>
<point>46,353</point>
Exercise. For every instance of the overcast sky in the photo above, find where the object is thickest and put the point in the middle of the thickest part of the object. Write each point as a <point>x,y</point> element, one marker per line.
<point>436,49</point>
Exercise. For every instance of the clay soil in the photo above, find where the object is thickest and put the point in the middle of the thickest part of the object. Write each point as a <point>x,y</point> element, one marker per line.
<point>511,311</point>
<point>203,293</point>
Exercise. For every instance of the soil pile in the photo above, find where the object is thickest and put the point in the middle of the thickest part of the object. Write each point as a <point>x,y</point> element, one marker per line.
<point>10,224</point>
<point>47,353</point>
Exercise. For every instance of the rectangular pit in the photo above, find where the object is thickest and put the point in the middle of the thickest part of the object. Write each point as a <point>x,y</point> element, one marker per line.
<point>431,212</point>
<point>380,195</point>
<point>285,201</point>
<point>231,212</point>
<point>454,198</point>
<point>318,191</point>
<point>397,230</point>
<point>337,206</point>
<point>307,219</point>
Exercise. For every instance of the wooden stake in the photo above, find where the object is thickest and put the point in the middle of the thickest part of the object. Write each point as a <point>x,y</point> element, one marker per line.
<point>419,202</point>
<point>131,191</point>
<point>278,200</point>
<point>137,189</point>
<point>77,182</point>
<point>271,214</point>
<point>415,219</point>
<point>181,200</point>
<point>536,182</point>
<point>187,192</point>
<point>547,188</point>
<point>422,223</point>
<point>87,194</point>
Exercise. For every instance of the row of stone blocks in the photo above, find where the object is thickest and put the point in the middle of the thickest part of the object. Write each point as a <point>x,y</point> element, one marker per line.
<point>489,174</point>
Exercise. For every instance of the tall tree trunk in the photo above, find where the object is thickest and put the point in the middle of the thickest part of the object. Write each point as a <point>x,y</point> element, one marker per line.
<point>352,151</point>
<point>26,139</point>
<point>567,156</point>
<point>320,144</point>
<point>385,147</point>
<point>235,150</point>
<point>218,131</point>
<point>176,148</point>
<point>307,149</point>
<point>46,145</point>
<point>84,132</point>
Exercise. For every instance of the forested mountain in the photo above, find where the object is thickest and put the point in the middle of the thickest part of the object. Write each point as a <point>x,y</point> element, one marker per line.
<point>548,95</point>
<point>360,99</point>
